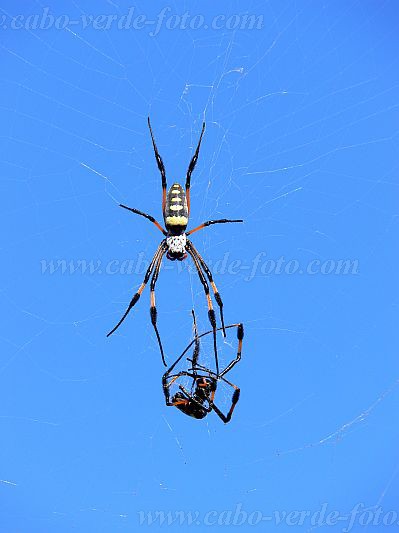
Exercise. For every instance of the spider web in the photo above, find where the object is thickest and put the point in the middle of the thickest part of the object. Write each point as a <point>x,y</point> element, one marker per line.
<point>301,142</point>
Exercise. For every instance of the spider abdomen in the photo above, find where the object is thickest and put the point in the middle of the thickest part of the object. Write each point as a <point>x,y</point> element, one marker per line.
<point>188,407</point>
<point>176,210</point>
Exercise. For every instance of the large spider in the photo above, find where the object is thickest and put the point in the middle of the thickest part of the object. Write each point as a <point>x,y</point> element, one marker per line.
<point>176,211</point>
<point>199,401</point>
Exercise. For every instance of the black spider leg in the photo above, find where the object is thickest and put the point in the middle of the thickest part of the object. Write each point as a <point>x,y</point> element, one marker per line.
<point>160,164</point>
<point>191,168</point>
<point>196,350</point>
<point>240,337</point>
<point>211,373</point>
<point>211,312</point>
<point>187,348</point>
<point>153,309</point>
<point>145,215</point>
<point>210,222</point>
<point>168,374</point>
<point>166,386</point>
<point>208,273</point>
<point>234,400</point>
<point>137,295</point>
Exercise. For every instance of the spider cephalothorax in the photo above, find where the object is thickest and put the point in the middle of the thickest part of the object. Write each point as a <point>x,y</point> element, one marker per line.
<point>198,401</point>
<point>176,246</point>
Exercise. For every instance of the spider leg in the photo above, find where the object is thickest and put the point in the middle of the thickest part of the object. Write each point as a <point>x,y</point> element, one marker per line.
<point>145,215</point>
<point>240,336</point>
<point>190,345</point>
<point>211,312</point>
<point>186,393</point>
<point>167,384</point>
<point>178,375</point>
<point>234,400</point>
<point>167,375</point>
<point>160,164</point>
<point>166,391</point>
<point>210,222</point>
<point>153,309</point>
<point>210,279</point>
<point>212,374</point>
<point>202,368</point>
<point>196,342</point>
<point>191,168</point>
<point>170,369</point>
<point>137,295</point>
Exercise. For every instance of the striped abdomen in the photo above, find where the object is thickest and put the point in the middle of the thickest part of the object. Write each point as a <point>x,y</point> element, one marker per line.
<point>176,212</point>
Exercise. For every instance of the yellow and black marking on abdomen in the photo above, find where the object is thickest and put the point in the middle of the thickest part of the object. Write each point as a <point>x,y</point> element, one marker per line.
<point>176,211</point>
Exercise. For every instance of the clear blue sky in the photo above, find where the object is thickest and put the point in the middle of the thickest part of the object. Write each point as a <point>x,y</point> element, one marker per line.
<point>302,142</point>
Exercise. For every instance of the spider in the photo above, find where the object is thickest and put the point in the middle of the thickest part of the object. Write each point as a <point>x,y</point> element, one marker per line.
<point>200,400</point>
<point>176,245</point>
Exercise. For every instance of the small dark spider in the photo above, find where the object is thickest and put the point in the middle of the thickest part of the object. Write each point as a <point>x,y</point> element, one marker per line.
<point>176,211</point>
<point>200,400</point>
